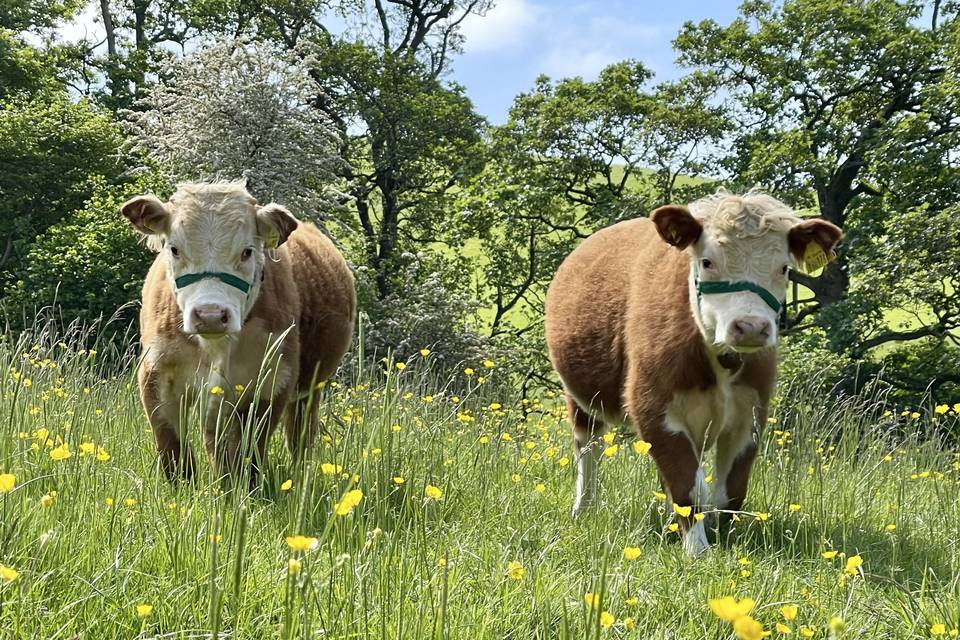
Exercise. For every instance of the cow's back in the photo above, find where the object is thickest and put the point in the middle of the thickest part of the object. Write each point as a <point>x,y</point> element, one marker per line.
<point>327,302</point>
<point>614,277</point>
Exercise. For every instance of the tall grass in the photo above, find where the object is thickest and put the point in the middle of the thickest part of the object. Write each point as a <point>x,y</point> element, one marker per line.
<point>92,538</point>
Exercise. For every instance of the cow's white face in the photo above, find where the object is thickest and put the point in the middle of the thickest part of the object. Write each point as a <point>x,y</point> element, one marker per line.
<point>741,249</point>
<point>212,238</point>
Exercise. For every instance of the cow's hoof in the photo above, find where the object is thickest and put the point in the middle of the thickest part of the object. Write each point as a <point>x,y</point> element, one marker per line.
<point>695,542</point>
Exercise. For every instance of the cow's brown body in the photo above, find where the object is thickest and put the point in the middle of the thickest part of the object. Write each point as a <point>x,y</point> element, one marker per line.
<point>622,338</point>
<point>307,291</point>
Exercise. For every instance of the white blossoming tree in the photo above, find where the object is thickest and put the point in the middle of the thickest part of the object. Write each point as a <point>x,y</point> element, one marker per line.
<point>242,110</point>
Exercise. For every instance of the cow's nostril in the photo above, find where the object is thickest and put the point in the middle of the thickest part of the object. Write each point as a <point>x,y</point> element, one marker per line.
<point>751,329</point>
<point>224,317</point>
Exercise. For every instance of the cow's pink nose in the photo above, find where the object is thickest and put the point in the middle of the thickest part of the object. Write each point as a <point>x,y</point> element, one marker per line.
<point>210,318</point>
<point>750,331</point>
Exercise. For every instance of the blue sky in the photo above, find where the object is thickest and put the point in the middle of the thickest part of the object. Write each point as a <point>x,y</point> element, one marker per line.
<point>520,39</point>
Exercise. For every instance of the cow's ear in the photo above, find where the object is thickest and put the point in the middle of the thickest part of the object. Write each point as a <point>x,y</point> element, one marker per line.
<point>147,214</point>
<point>812,243</point>
<point>274,224</point>
<point>676,225</point>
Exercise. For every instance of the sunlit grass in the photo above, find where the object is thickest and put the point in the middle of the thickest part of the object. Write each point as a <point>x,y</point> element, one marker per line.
<point>455,498</point>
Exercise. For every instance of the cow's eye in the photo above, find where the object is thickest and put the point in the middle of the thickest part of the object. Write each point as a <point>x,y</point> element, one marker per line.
<point>246,254</point>
<point>174,251</point>
<point>706,264</point>
<point>784,269</point>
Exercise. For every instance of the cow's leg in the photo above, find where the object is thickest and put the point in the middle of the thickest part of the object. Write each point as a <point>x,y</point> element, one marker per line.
<point>162,399</point>
<point>679,467</point>
<point>221,428</point>
<point>736,450</point>
<point>588,433</point>
<point>301,424</point>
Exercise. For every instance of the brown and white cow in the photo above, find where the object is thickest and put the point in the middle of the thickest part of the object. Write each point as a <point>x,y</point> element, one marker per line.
<point>245,306</point>
<point>671,322</point>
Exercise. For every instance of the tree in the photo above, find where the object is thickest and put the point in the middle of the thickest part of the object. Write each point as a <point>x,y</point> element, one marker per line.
<point>852,109</point>
<point>574,156</point>
<point>51,151</point>
<point>90,264</point>
<point>816,88</point>
<point>242,110</point>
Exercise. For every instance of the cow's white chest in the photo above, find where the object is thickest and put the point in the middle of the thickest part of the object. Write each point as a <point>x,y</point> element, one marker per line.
<point>703,414</point>
<point>189,366</point>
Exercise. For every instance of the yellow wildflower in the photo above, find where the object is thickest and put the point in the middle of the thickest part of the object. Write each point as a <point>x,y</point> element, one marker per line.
<point>641,447</point>
<point>7,482</point>
<point>432,492</point>
<point>515,570</point>
<point>287,485</point>
<point>683,512</point>
<point>144,610</point>
<point>592,599</point>
<point>607,620</point>
<point>938,629</point>
<point>631,553</point>
<point>400,366</point>
<point>829,555</point>
<point>46,500</point>
<point>611,451</point>
<point>216,390</point>
<point>60,453</point>
<point>853,564</point>
<point>293,566</point>
<point>747,628</point>
<point>789,611</point>
<point>730,609</point>
<point>348,503</point>
<point>8,574</point>
<point>784,629</point>
<point>794,507</point>
<point>424,352</point>
<point>302,543</point>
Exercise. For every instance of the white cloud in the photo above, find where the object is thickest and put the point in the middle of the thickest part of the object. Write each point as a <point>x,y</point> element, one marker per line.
<point>86,25</point>
<point>566,62</point>
<point>586,44</point>
<point>511,25</point>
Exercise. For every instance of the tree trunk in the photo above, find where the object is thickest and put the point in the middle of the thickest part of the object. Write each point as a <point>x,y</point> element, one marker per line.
<point>108,27</point>
<point>388,232</point>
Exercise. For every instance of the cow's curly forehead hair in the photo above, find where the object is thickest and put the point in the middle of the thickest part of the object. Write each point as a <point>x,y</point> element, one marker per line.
<point>730,217</point>
<point>213,195</point>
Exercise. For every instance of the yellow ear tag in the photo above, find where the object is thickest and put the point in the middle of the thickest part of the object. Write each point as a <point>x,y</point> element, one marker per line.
<point>814,259</point>
<point>273,239</point>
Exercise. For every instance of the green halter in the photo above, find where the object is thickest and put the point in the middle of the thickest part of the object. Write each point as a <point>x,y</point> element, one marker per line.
<point>226,278</point>
<point>724,286</point>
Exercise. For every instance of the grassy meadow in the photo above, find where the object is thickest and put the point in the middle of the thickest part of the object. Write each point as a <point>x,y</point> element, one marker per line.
<point>439,508</point>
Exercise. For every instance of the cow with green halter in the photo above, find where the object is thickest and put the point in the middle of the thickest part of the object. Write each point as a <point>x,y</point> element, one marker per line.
<point>670,322</point>
<point>245,312</point>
